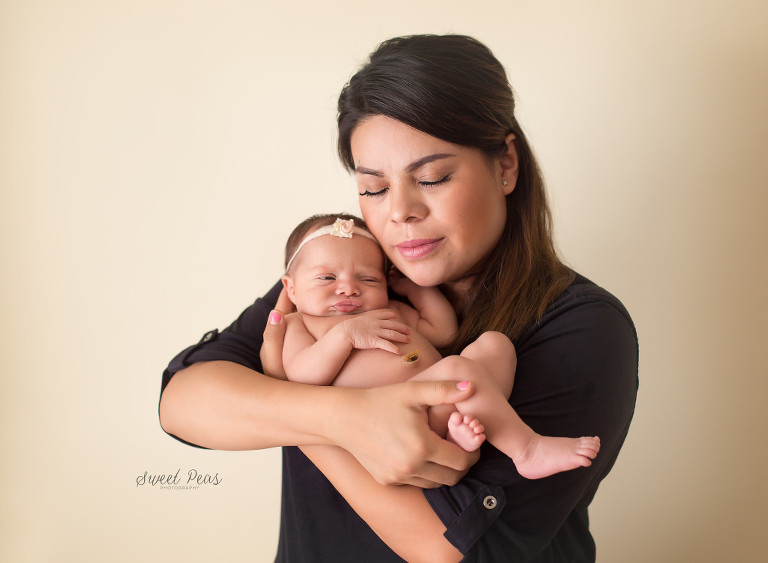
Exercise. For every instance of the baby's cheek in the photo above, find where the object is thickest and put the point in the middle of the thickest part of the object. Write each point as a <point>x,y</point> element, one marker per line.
<point>382,300</point>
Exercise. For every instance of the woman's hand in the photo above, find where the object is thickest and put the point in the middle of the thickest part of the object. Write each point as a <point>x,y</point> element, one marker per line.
<point>385,429</point>
<point>271,352</point>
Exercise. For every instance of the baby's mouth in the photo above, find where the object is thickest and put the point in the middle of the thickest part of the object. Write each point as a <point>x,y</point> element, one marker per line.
<point>346,306</point>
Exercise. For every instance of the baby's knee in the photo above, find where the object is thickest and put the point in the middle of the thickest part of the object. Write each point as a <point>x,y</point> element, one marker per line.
<point>492,344</point>
<point>461,368</point>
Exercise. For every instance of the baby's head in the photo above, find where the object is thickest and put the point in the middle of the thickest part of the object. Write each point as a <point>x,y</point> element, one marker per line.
<point>334,266</point>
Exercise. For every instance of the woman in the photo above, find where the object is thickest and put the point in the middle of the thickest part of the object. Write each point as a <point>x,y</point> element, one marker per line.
<point>450,187</point>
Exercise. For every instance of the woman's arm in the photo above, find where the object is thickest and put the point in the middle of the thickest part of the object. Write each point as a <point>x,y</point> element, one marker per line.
<point>223,405</point>
<point>399,515</point>
<point>214,396</point>
<point>226,406</point>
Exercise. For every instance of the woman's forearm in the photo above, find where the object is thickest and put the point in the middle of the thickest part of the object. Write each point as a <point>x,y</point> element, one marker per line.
<point>399,514</point>
<point>223,405</point>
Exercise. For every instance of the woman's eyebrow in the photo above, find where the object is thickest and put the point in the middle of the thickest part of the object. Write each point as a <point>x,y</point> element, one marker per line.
<point>413,166</point>
<point>368,171</point>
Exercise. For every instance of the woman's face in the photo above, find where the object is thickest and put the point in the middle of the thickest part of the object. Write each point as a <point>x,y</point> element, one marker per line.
<point>438,209</point>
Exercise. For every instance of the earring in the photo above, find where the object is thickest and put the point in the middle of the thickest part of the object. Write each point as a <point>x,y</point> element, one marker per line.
<point>503,182</point>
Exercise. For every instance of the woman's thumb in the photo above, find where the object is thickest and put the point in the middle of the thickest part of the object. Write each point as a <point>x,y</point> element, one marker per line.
<point>271,353</point>
<point>432,393</point>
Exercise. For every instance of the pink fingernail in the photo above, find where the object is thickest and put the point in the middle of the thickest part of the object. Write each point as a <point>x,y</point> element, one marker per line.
<point>275,317</point>
<point>462,385</point>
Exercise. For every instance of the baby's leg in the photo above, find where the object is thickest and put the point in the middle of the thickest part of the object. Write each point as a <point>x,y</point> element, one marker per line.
<point>493,369</point>
<point>489,363</point>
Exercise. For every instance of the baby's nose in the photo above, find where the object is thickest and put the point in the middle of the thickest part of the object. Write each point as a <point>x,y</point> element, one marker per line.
<point>346,287</point>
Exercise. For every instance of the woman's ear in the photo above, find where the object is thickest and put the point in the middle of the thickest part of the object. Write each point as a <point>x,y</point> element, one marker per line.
<point>509,165</point>
<point>289,288</point>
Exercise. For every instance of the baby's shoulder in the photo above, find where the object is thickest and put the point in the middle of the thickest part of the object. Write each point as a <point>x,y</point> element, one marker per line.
<point>408,314</point>
<point>314,325</point>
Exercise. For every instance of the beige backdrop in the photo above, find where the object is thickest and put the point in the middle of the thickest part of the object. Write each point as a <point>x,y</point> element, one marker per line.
<point>154,155</point>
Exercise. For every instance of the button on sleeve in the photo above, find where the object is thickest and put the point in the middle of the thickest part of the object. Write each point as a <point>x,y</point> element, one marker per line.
<point>467,519</point>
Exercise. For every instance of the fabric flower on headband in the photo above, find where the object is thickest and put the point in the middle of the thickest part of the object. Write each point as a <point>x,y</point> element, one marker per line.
<point>343,228</point>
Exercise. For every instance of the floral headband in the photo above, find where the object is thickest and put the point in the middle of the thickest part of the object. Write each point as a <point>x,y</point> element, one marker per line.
<point>342,228</point>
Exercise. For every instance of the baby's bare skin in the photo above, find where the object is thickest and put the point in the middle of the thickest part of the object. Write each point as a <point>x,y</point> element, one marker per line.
<point>374,367</point>
<point>347,332</point>
<point>535,456</point>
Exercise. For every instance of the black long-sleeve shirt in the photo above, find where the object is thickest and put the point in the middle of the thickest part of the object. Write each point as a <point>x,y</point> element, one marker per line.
<point>576,376</point>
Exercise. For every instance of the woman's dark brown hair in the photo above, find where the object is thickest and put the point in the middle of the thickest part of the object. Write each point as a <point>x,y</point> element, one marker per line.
<point>453,88</point>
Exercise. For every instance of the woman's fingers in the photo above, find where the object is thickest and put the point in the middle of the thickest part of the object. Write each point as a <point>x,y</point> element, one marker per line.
<point>444,459</point>
<point>386,429</point>
<point>433,393</point>
<point>271,352</point>
<point>435,475</point>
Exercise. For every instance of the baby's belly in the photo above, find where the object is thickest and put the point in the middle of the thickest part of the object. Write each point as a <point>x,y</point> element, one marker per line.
<point>370,368</point>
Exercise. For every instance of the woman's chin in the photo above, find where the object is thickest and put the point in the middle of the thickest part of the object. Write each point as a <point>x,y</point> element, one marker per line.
<point>423,279</point>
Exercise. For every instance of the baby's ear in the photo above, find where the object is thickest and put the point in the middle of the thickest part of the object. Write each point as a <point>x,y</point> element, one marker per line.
<point>289,287</point>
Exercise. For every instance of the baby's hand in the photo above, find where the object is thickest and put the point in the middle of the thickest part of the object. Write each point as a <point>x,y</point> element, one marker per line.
<point>376,329</point>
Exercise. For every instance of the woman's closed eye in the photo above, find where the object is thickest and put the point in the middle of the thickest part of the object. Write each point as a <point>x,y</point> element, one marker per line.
<point>429,183</point>
<point>423,183</point>
<point>374,193</point>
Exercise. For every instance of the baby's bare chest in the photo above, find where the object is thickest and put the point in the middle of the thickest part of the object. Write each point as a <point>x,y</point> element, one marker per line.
<point>370,368</point>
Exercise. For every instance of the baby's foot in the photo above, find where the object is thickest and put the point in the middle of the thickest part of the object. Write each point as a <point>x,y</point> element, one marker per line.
<point>465,431</point>
<point>546,455</point>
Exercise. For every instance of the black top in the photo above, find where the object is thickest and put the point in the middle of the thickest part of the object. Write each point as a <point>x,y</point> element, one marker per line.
<point>576,376</point>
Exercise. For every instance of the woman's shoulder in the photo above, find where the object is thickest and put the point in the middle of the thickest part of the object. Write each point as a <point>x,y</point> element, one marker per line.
<point>584,291</point>
<point>585,298</point>
<point>583,306</point>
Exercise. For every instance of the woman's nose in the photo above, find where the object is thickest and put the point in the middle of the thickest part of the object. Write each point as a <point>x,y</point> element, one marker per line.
<point>406,204</point>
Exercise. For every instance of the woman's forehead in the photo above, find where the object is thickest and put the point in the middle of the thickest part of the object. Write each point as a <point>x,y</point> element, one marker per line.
<point>382,139</point>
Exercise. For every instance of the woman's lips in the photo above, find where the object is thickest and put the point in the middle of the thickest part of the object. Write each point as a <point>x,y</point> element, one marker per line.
<point>418,248</point>
<point>346,306</point>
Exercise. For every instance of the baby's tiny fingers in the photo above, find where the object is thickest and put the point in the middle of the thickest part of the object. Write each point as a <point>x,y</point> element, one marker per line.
<point>393,335</point>
<point>387,346</point>
<point>396,325</point>
<point>383,314</point>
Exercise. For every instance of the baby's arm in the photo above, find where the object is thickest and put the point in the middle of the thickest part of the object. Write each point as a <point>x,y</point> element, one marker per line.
<point>318,362</point>
<point>307,360</point>
<point>437,319</point>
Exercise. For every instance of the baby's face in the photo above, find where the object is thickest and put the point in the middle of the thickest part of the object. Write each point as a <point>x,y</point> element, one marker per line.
<point>338,276</point>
